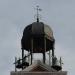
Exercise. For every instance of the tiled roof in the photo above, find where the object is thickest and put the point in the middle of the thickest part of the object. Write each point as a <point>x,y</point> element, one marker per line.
<point>40,65</point>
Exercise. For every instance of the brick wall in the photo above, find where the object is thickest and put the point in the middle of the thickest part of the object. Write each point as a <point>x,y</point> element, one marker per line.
<point>38,73</point>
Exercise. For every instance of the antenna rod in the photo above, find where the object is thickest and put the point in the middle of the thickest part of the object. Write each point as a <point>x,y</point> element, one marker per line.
<point>37,14</point>
<point>38,9</point>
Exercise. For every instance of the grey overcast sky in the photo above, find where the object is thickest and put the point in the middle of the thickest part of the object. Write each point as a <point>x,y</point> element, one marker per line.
<point>16,14</point>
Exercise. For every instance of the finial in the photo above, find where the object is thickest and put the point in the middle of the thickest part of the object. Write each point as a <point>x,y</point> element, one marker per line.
<point>15,63</point>
<point>61,62</point>
<point>38,9</point>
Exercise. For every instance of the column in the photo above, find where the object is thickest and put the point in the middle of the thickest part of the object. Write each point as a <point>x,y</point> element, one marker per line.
<point>44,55</point>
<point>31,50</point>
<point>22,57</point>
<point>52,57</point>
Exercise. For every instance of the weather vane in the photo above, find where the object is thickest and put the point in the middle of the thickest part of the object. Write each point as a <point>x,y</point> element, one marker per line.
<point>38,9</point>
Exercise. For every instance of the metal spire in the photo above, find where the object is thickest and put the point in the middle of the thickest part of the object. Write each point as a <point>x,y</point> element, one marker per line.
<point>38,9</point>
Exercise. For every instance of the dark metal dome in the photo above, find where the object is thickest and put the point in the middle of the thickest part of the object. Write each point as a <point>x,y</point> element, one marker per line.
<point>38,31</point>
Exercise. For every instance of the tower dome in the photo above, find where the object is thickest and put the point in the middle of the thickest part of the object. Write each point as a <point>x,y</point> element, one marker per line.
<point>38,31</point>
